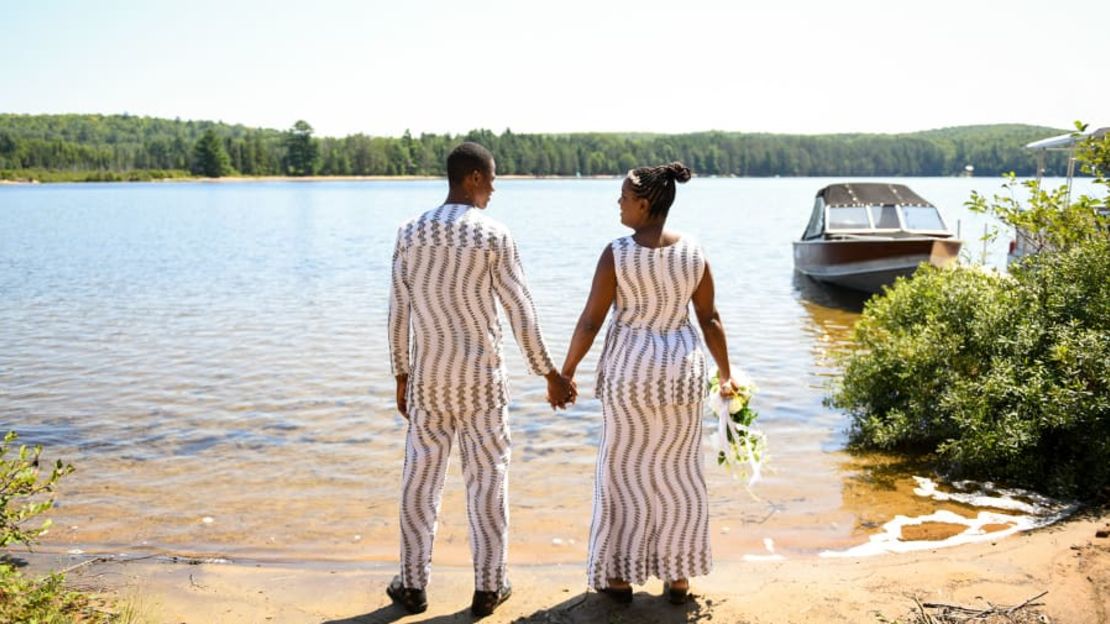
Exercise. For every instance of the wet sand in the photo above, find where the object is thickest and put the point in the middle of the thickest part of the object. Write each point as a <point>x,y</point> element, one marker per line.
<point>1067,560</point>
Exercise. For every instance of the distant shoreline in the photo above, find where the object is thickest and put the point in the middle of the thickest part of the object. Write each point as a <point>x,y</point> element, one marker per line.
<point>343,178</point>
<point>423,178</point>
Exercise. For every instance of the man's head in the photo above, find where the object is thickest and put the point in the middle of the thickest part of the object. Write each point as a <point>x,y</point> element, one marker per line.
<point>470,173</point>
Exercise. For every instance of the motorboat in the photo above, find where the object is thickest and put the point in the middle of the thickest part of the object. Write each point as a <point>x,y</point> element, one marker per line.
<point>863,235</point>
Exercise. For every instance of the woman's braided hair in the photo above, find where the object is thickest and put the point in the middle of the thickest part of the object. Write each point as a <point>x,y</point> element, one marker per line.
<point>657,185</point>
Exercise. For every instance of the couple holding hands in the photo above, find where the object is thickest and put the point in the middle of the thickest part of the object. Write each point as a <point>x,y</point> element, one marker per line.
<point>650,509</point>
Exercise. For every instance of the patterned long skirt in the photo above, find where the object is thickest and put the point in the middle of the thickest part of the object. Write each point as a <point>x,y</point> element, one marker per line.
<point>651,509</point>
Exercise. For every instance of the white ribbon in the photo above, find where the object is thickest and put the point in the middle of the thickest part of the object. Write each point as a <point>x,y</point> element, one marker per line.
<point>745,440</point>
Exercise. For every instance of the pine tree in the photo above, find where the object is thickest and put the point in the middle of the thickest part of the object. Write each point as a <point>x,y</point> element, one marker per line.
<point>301,150</point>
<point>210,159</point>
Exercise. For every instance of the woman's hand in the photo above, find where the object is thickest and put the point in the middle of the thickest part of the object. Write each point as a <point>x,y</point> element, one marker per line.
<point>602,293</point>
<point>728,388</point>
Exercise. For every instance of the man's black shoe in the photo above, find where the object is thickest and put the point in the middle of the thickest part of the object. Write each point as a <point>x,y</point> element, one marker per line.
<point>413,600</point>
<point>485,602</point>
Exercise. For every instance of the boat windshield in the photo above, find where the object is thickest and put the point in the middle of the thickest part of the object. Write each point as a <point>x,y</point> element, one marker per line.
<point>848,218</point>
<point>922,218</point>
<point>885,217</point>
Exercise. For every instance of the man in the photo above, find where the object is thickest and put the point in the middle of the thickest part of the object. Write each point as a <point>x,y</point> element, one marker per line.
<point>449,266</point>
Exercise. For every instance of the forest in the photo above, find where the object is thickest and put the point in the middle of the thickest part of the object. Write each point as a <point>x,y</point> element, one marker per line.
<point>112,147</point>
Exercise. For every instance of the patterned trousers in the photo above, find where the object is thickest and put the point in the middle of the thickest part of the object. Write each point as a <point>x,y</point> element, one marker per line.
<point>484,448</point>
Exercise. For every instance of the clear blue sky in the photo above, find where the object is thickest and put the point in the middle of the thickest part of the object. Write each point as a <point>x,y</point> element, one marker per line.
<point>804,66</point>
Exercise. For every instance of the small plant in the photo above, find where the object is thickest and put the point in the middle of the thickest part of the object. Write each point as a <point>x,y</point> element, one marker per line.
<point>45,600</point>
<point>23,493</point>
<point>1050,219</point>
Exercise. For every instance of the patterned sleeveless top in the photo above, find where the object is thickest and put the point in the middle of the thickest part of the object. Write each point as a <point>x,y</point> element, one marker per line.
<point>652,355</point>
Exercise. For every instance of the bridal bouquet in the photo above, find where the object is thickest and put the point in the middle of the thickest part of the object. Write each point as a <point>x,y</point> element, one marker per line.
<point>741,448</point>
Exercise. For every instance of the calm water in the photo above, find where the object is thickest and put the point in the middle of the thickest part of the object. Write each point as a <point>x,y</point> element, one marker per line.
<point>212,357</point>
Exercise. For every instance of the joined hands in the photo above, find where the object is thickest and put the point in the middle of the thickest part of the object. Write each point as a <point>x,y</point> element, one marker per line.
<point>561,390</point>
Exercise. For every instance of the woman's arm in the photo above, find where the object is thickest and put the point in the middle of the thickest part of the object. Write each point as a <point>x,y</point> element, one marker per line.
<point>705,307</point>
<point>602,292</point>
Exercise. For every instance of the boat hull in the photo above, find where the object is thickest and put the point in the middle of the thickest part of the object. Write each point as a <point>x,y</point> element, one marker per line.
<point>869,265</point>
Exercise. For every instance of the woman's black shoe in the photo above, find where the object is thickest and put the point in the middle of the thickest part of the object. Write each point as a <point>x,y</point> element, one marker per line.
<point>413,600</point>
<point>675,595</point>
<point>622,595</point>
<point>485,602</point>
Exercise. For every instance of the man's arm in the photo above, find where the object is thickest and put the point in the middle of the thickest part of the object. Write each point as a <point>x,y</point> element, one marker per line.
<point>400,312</point>
<point>512,290</point>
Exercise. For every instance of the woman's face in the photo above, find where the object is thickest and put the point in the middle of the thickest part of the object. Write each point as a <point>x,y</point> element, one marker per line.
<point>634,210</point>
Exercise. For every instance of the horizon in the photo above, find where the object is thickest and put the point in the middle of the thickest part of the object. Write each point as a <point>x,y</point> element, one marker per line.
<point>799,67</point>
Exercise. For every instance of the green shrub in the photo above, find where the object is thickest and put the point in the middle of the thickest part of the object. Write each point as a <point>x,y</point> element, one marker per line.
<point>53,175</point>
<point>24,494</point>
<point>45,601</point>
<point>1004,378</point>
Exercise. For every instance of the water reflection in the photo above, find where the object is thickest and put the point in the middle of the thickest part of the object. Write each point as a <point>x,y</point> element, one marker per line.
<point>220,351</point>
<point>810,290</point>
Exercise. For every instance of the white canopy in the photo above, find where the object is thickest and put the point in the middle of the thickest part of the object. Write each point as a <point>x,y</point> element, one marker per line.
<point>1064,141</point>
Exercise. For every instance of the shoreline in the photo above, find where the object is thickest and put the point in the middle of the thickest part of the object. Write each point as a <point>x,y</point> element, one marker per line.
<point>1067,560</point>
<point>425,178</point>
<point>312,178</point>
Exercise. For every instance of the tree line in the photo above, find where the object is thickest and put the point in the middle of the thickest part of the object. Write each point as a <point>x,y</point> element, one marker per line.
<point>125,143</point>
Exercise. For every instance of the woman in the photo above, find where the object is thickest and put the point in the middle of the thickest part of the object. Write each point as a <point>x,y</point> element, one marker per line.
<point>650,505</point>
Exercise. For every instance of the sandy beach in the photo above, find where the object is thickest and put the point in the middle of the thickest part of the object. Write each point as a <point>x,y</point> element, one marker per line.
<point>1067,560</point>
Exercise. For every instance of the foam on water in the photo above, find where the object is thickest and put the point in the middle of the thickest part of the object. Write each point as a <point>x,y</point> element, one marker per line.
<point>771,555</point>
<point>1033,511</point>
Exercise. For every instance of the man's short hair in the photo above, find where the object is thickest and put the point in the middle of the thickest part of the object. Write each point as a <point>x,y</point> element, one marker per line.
<point>465,159</point>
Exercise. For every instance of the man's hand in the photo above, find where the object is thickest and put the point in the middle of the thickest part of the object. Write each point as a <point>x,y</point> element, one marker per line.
<point>560,390</point>
<point>402,395</point>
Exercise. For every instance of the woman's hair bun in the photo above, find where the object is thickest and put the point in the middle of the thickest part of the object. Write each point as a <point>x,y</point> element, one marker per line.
<point>679,172</point>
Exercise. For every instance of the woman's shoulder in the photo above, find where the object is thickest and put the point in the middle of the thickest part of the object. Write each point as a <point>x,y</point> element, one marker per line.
<point>620,247</point>
<point>689,242</point>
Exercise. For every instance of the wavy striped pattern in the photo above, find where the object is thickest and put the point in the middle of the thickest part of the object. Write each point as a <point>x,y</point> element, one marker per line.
<point>651,509</point>
<point>652,355</point>
<point>450,265</point>
<point>484,444</point>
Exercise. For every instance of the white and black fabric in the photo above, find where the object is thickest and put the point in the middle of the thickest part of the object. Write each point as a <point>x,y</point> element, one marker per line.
<point>651,509</point>
<point>484,443</point>
<point>451,266</point>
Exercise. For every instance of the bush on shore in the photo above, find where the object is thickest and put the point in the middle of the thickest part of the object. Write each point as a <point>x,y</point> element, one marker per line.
<point>53,175</point>
<point>25,494</point>
<point>1004,378</point>
<point>998,377</point>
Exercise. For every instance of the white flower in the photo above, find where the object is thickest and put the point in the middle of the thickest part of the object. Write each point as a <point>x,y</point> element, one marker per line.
<point>736,404</point>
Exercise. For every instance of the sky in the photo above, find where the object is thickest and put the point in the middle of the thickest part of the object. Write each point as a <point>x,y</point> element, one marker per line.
<point>379,68</point>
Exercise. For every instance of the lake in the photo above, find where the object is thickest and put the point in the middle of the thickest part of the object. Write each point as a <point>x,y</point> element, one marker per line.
<point>212,357</point>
